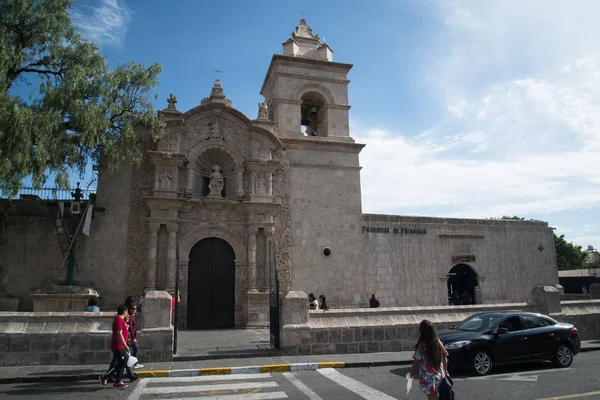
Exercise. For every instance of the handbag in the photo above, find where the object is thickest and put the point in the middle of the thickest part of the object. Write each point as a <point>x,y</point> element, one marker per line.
<point>445,389</point>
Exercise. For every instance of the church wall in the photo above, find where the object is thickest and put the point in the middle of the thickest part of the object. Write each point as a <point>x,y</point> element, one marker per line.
<point>29,251</point>
<point>410,268</point>
<point>104,264</point>
<point>325,208</point>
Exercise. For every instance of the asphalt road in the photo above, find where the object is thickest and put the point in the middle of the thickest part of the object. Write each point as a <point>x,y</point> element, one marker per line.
<point>532,381</point>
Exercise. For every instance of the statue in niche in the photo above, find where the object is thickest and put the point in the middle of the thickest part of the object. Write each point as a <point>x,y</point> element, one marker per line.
<point>261,185</point>
<point>215,130</point>
<point>262,110</point>
<point>215,185</point>
<point>165,179</point>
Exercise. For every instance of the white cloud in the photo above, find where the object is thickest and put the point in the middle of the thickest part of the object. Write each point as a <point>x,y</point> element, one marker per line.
<point>106,23</point>
<point>521,86</point>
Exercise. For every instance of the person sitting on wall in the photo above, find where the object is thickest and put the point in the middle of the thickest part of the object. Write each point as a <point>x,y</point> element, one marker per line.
<point>374,302</point>
<point>313,303</point>
<point>323,301</point>
<point>92,305</point>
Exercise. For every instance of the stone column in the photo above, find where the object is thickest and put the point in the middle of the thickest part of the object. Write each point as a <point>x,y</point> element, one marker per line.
<point>189,187</point>
<point>269,232</point>
<point>240,182</point>
<point>252,282</point>
<point>153,228</point>
<point>171,257</point>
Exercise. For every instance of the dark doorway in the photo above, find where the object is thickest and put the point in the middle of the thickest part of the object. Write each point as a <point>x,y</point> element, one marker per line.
<point>211,285</point>
<point>462,278</point>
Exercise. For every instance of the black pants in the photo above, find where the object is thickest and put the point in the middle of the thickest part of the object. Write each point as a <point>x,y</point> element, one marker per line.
<point>118,362</point>
<point>113,364</point>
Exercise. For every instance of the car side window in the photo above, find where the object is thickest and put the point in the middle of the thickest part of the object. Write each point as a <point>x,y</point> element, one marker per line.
<point>532,322</point>
<point>512,324</point>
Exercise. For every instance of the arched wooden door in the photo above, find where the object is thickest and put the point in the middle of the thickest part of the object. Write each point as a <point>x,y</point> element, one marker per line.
<point>211,285</point>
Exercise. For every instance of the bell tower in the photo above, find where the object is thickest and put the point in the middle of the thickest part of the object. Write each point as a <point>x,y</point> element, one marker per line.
<point>306,91</point>
<point>307,98</point>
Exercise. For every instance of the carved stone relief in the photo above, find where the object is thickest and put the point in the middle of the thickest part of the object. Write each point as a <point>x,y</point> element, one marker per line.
<point>283,227</point>
<point>170,143</point>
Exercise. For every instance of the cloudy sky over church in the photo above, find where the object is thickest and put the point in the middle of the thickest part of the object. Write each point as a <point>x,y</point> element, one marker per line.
<point>468,108</point>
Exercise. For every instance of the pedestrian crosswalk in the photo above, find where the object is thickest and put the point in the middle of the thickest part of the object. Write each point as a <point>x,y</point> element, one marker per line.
<point>262,386</point>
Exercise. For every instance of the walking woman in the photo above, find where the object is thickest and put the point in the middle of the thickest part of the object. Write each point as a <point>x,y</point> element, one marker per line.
<point>430,359</point>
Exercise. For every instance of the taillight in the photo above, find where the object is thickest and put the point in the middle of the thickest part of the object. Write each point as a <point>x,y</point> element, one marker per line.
<point>574,331</point>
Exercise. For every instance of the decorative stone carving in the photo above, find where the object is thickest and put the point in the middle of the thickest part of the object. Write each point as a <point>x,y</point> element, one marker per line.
<point>215,129</point>
<point>216,182</point>
<point>165,178</point>
<point>168,143</point>
<point>172,101</point>
<point>260,184</point>
<point>283,227</point>
<point>262,110</point>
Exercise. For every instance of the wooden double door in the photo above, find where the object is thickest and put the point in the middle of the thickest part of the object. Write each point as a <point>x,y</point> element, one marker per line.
<point>211,285</point>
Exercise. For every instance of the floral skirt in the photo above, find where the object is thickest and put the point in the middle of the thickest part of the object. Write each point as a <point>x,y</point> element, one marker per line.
<point>429,382</point>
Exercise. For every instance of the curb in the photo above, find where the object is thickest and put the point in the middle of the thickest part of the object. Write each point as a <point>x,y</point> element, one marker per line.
<point>259,369</point>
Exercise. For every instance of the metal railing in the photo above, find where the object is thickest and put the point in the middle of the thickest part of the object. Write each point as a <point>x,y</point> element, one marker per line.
<point>49,193</point>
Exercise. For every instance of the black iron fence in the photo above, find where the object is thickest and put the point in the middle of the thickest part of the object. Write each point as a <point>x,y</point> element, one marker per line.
<point>48,193</point>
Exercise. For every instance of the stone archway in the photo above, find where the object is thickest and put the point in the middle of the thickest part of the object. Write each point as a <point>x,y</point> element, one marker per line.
<point>461,278</point>
<point>193,233</point>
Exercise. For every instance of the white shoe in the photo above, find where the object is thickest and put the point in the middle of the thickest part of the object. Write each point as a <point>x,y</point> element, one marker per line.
<point>138,366</point>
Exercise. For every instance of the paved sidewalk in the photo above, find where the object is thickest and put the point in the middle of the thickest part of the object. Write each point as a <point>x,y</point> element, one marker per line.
<point>57,373</point>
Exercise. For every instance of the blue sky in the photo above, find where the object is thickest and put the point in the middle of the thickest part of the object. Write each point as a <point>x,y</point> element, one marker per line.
<point>468,108</point>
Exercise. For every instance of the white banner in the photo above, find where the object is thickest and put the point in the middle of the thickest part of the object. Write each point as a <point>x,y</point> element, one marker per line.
<point>88,220</point>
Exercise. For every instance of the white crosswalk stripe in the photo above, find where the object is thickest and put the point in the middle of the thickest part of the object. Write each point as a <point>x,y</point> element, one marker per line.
<point>212,385</point>
<point>366,392</point>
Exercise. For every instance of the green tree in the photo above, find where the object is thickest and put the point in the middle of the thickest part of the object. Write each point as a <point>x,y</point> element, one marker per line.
<point>512,218</point>
<point>60,104</point>
<point>568,255</point>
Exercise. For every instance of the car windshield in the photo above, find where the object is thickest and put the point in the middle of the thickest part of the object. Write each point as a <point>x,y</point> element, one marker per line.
<point>479,323</point>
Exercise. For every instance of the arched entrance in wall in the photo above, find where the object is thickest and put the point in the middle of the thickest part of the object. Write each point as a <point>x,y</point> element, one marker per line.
<point>460,278</point>
<point>211,285</point>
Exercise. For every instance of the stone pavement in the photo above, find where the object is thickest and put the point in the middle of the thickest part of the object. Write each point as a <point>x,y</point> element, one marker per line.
<point>223,343</point>
<point>49,373</point>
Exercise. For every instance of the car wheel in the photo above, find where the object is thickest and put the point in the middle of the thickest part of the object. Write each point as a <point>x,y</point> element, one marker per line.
<point>482,363</point>
<point>563,357</point>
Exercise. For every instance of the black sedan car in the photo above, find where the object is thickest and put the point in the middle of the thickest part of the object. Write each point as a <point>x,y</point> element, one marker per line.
<point>509,337</point>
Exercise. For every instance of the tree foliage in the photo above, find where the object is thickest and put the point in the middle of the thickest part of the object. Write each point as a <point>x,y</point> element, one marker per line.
<point>60,104</point>
<point>568,255</point>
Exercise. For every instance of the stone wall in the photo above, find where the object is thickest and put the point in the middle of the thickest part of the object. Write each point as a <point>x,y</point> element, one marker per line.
<point>258,309</point>
<point>370,330</point>
<point>325,206</point>
<point>29,251</point>
<point>407,259</point>
<point>45,338</point>
<point>366,330</point>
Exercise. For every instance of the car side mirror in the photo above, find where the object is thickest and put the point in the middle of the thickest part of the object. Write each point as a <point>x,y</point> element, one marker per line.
<point>502,331</point>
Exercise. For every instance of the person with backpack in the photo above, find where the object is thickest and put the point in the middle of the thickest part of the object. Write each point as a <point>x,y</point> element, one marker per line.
<point>431,360</point>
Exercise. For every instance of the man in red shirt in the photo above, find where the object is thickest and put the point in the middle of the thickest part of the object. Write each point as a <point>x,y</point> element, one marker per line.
<point>119,347</point>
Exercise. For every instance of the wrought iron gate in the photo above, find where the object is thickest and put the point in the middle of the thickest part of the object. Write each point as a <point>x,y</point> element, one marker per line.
<point>275,310</point>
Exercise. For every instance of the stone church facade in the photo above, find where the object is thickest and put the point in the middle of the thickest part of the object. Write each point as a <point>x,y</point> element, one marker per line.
<point>218,187</point>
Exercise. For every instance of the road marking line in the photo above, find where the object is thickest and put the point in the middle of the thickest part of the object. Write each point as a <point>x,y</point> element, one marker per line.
<point>216,386</point>
<point>139,389</point>
<point>208,378</point>
<point>570,396</point>
<point>247,396</point>
<point>309,393</point>
<point>353,385</point>
<point>539,371</point>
